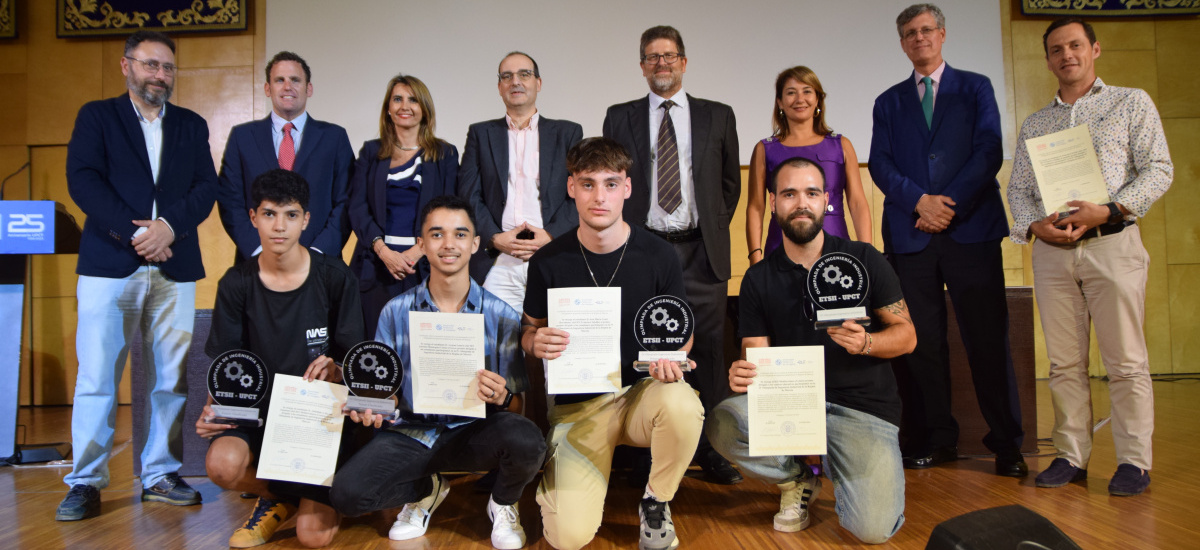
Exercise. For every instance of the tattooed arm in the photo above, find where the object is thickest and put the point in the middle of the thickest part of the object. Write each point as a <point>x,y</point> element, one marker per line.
<point>896,338</point>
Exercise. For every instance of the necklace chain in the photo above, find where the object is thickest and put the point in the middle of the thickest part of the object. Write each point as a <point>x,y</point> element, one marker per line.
<point>614,273</point>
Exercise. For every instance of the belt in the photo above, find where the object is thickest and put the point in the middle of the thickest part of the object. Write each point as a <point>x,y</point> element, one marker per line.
<point>678,236</point>
<point>1106,229</point>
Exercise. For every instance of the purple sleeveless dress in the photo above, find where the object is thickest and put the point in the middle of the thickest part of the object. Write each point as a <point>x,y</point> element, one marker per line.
<point>828,153</point>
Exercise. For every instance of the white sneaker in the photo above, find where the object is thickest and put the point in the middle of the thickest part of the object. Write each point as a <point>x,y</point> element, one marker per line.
<point>507,533</point>
<point>795,499</point>
<point>413,520</point>
<point>657,530</point>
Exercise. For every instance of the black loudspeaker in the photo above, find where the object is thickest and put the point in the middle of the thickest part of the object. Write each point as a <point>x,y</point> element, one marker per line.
<point>1012,527</point>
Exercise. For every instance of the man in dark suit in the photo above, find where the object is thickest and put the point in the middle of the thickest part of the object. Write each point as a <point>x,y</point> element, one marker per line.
<point>935,152</point>
<point>290,139</point>
<point>141,170</point>
<point>686,185</point>
<point>514,172</point>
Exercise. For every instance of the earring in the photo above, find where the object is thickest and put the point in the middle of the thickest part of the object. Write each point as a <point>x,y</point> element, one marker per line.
<point>829,208</point>
<point>818,110</point>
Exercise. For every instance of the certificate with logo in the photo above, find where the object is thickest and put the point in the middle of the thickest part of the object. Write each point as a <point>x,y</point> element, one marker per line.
<point>446,350</point>
<point>1066,168</point>
<point>787,401</point>
<point>303,432</point>
<point>592,361</point>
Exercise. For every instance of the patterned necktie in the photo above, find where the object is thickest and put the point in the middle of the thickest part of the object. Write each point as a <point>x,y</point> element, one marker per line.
<point>927,101</point>
<point>287,148</point>
<point>669,196</point>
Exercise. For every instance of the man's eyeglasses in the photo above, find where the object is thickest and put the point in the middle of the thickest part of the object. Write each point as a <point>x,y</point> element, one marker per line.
<point>668,58</point>
<point>152,66</point>
<point>923,31</point>
<point>523,74</point>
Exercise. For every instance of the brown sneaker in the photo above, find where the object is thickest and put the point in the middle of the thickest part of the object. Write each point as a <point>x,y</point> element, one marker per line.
<point>268,515</point>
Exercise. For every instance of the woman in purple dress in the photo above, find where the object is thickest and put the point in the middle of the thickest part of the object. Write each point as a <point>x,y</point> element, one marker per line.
<point>798,123</point>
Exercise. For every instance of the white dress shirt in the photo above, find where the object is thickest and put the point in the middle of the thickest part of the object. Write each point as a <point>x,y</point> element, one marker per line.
<point>685,216</point>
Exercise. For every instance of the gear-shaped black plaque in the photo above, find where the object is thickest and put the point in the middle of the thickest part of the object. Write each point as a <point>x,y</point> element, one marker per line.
<point>372,369</point>
<point>238,378</point>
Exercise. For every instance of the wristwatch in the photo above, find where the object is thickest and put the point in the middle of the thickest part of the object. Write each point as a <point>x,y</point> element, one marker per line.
<point>507,399</point>
<point>1114,213</point>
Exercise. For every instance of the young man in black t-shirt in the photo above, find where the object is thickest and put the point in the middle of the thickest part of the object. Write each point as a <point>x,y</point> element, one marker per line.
<point>862,408</point>
<point>648,411</point>
<point>295,309</point>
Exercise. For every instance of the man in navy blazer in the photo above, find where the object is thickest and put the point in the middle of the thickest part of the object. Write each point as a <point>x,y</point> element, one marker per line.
<point>514,172</point>
<point>141,170</point>
<point>697,223</point>
<point>320,151</point>
<point>935,152</point>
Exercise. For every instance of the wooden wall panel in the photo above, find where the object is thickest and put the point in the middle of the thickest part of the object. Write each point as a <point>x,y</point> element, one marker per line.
<point>13,115</point>
<point>63,75</point>
<point>1182,201</point>
<point>1179,89</point>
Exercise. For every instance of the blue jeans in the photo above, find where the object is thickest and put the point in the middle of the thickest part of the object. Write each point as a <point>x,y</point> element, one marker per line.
<point>863,463</point>
<point>109,310</point>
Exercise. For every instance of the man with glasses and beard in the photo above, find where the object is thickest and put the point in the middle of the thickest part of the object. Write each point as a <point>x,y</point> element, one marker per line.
<point>142,172</point>
<point>862,404</point>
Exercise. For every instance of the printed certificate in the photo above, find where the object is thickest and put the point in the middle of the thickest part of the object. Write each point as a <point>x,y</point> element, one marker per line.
<point>446,351</point>
<point>1066,168</point>
<point>787,401</point>
<point>592,361</point>
<point>303,431</point>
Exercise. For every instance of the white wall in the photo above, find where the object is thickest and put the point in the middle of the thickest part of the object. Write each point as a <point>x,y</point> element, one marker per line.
<point>588,55</point>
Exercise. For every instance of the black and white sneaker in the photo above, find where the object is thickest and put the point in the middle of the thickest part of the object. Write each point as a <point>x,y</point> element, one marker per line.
<point>657,531</point>
<point>795,499</point>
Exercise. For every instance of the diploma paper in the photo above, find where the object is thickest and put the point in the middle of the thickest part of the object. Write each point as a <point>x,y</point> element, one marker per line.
<point>592,361</point>
<point>303,432</point>
<point>787,401</point>
<point>446,351</point>
<point>1066,168</point>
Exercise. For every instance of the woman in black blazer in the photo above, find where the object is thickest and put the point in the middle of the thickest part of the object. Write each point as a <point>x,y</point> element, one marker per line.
<point>394,177</point>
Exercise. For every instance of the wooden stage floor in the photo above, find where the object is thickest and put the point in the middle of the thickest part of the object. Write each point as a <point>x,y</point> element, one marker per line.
<point>706,516</point>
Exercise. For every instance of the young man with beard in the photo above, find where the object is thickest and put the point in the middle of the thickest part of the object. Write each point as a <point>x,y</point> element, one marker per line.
<point>862,409</point>
<point>401,466</point>
<point>650,409</point>
<point>272,305</point>
<point>141,170</point>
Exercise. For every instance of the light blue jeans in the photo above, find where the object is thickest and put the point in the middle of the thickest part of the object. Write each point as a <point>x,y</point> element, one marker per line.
<point>863,463</point>
<point>109,310</point>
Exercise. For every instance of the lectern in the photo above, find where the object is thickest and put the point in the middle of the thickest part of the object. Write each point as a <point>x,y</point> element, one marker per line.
<point>26,227</point>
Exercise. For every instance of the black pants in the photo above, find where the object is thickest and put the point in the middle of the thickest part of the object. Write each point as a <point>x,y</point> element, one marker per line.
<point>394,469</point>
<point>973,274</point>
<point>708,297</point>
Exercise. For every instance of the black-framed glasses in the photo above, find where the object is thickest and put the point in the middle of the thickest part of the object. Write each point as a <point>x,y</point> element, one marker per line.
<point>152,66</point>
<point>524,74</point>
<point>668,58</point>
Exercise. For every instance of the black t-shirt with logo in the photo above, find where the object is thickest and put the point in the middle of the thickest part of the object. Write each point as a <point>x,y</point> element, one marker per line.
<point>771,304</point>
<point>650,268</point>
<point>287,330</point>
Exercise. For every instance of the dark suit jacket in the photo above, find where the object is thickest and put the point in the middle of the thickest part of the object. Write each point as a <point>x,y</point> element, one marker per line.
<point>483,180</point>
<point>959,157</point>
<point>324,159</point>
<point>368,204</point>
<point>716,168</point>
<point>109,178</point>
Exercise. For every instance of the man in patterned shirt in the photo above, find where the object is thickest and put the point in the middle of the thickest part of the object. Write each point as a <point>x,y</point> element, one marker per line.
<point>1091,263</point>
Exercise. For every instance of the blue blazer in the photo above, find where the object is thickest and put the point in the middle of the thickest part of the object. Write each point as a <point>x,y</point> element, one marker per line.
<point>368,204</point>
<point>958,157</point>
<point>109,178</point>
<point>324,159</point>
<point>483,179</point>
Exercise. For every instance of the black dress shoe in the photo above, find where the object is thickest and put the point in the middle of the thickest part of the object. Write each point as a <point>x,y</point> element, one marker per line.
<point>938,456</point>
<point>1011,464</point>
<point>719,470</point>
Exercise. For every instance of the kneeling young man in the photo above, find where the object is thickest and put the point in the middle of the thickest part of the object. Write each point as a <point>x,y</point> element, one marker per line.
<point>269,306</point>
<point>654,411</point>
<point>862,409</point>
<point>401,465</point>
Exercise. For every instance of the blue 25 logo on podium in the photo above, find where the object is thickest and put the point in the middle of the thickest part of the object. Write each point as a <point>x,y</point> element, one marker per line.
<point>26,227</point>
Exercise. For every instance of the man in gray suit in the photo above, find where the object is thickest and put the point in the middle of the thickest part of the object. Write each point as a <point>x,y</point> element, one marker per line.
<point>514,173</point>
<point>686,184</point>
